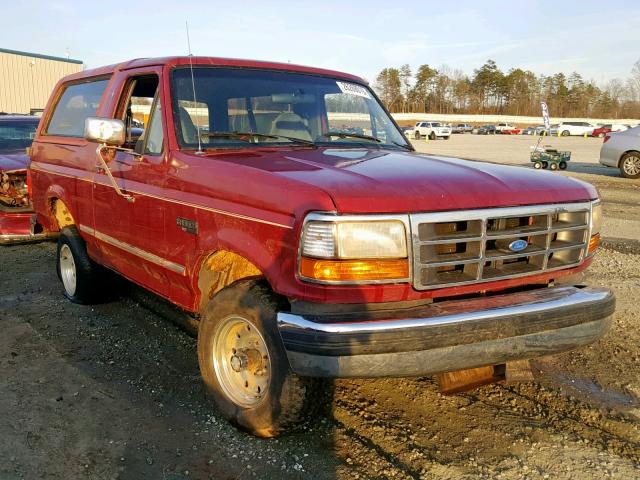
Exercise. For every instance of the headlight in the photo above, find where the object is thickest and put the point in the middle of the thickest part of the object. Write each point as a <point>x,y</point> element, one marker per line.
<point>596,217</point>
<point>351,250</point>
<point>596,226</point>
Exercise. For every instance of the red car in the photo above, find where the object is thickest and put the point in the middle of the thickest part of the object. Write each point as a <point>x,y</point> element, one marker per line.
<point>512,131</point>
<point>16,135</point>
<point>601,131</point>
<point>507,129</point>
<point>284,210</point>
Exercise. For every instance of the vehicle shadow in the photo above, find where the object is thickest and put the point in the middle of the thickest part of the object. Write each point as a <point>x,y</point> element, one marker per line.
<point>593,169</point>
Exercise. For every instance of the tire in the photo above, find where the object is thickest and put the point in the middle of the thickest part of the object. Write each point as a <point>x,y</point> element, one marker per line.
<point>563,165</point>
<point>537,165</point>
<point>81,278</point>
<point>565,133</point>
<point>447,137</point>
<point>417,135</point>
<point>272,400</point>
<point>545,165</point>
<point>630,165</point>
<point>432,136</point>
<point>553,166</point>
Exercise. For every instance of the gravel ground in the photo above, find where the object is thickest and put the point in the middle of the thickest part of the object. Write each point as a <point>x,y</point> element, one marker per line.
<point>113,391</point>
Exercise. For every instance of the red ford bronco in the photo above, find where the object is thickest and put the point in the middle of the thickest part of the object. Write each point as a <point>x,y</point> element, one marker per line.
<point>283,208</point>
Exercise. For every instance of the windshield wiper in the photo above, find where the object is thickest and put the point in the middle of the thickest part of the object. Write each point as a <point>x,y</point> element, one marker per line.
<point>240,136</point>
<point>402,145</point>
<point>353,135</point>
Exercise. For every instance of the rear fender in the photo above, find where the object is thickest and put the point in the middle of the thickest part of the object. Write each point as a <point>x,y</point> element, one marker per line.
<point>59,208</point>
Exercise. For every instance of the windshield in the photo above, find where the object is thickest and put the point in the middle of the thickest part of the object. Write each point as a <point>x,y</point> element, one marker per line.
<point>16,135</point>
<point>240,107</point>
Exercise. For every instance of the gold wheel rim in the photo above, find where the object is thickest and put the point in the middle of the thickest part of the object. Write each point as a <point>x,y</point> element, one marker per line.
<point>241,361</point>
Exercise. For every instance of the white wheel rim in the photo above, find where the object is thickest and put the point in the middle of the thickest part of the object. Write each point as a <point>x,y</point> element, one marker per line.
<point>241,361</point>
<point>631,165</point>
<point>68,270</point>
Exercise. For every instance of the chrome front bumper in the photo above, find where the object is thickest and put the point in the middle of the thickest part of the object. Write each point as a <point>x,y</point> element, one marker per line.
<point>446,336</point>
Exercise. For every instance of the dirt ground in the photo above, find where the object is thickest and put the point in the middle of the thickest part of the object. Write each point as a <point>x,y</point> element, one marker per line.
<point>112,391</point>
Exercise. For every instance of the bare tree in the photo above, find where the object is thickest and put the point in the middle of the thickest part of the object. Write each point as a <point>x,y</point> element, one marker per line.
<point>517,92</point>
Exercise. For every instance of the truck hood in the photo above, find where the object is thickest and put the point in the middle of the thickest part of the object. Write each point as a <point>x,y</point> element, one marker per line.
<point>13,160</point>
<point>385,181</point>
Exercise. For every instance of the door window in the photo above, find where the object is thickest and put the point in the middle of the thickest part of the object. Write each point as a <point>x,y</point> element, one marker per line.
<point>154,134</point>
<point>135,108</point>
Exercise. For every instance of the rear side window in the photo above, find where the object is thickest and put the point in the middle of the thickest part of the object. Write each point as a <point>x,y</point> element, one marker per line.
<point>78,102</point>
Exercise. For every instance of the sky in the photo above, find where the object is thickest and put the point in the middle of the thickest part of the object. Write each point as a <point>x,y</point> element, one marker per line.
<point>600,40</point>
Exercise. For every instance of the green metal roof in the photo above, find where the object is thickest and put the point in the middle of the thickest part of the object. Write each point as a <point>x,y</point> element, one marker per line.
<point>38,55</point>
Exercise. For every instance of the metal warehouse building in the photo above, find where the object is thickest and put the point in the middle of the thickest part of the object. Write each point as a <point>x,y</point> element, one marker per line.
<point>27,79</point>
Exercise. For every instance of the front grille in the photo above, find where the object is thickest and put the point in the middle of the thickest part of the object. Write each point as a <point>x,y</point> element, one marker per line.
<point>472,246</point>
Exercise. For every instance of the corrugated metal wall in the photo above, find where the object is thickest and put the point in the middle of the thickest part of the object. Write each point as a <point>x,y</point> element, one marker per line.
<point>27,81</point>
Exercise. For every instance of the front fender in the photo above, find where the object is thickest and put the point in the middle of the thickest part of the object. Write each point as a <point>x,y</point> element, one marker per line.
<point>268,248</point>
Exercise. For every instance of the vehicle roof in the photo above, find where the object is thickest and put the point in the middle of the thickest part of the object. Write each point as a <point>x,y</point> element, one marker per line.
<point>19,118</point>
<point>209,61</point>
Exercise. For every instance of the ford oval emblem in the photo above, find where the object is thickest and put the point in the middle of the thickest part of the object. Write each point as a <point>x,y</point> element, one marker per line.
<point>518,245</point>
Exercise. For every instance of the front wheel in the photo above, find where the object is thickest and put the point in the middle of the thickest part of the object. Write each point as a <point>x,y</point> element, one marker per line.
<point>432,136</point>
<point>630,165</point>
<point>244,364</point>
<point>563,165</point>
<point>553,166</point>
<point>537,165</point>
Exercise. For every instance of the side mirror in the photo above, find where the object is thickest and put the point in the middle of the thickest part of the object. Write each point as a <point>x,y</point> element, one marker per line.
<point>106,131</point>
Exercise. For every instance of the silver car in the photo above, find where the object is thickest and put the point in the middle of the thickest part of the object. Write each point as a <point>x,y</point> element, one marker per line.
<point>622,150</point>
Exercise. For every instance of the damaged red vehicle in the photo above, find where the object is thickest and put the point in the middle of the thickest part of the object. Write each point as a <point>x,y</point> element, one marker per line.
<point>16,135</point>
<point>281,208</point>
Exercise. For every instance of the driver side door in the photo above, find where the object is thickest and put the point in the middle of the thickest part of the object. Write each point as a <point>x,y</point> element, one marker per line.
<point>131,232</point>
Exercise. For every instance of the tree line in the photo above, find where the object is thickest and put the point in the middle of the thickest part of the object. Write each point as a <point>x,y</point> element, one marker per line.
<point>516,92</point>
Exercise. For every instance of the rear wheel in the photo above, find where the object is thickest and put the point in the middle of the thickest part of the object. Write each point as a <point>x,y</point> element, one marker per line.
<point>545,165</point>
<point>244,364</point>
<point>80,276</point>
<point>553,166</point>
<point>630,165</point>
<point>565,133</point>
<point>563,165</point>
<point>537,165</point>
<point>416,135</point>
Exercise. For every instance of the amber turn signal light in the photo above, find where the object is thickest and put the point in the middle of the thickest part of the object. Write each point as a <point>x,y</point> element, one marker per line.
<point>354,270</point>
<point>594,241</point>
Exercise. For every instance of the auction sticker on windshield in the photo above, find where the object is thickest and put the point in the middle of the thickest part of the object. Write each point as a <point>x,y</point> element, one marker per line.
<point>353,89</point>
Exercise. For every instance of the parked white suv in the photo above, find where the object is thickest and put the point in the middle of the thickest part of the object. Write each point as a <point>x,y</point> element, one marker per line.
<point>572,128</point>
<point>432,130</point>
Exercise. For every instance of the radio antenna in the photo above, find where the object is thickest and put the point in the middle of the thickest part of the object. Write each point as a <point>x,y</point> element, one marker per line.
<point>193,87</point>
